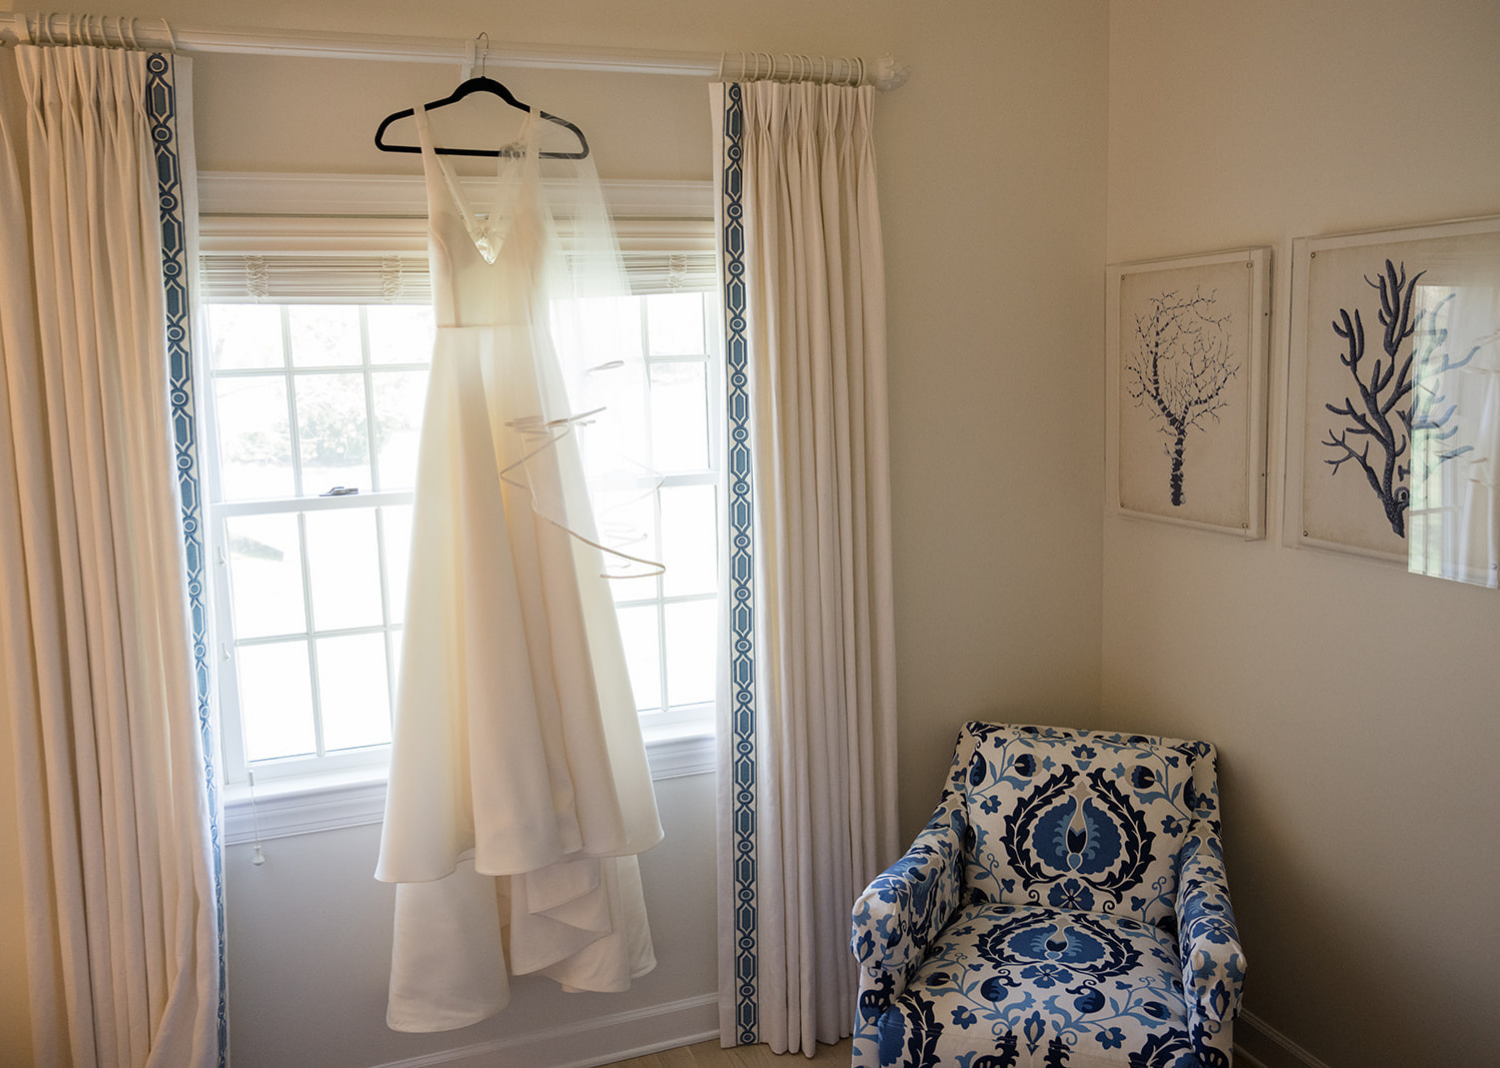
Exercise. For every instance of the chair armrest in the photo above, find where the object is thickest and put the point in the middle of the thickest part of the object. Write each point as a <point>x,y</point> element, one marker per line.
<point>902,911</point>
<point>1213,964</point>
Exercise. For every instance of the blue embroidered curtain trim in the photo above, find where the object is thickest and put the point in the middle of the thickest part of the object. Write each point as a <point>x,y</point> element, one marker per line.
<point>741,580</point>
<point>161,101</point>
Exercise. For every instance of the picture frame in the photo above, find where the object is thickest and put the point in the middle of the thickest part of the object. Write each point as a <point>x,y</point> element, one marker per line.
<point>1185,414</point>
<point>1393,398</point>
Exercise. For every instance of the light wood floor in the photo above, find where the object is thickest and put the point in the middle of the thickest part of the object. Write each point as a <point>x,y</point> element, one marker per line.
<point>712,1055</point>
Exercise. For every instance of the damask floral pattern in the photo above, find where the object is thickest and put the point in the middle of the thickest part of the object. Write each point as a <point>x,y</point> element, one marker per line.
<point>1065,906</point>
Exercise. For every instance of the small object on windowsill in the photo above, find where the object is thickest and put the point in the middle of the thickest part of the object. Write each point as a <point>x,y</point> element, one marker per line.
<point>340,491</point>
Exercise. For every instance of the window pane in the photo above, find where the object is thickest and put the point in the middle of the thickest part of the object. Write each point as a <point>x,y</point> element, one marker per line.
<point>276,700</point>
<point>642,654</point>
<point>400,333</point>
<point>332,432</point>
<point>245,335</point>
<point>674,323</point>
<point>399,396</point>
<point>614,443</point>
<point>265,574</point>
<point>396,529</point>
<point>689,544</point>
<point>679,416</point>
<point>345,566</point>
<point>596,330</point>
<point>692,634</point>
<point>255,444</point>
<point>352,691</point>
<point>324,334</point>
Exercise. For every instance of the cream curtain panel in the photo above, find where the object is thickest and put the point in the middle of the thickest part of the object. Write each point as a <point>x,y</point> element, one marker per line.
<point>807,731</point>
<point>96,649</point>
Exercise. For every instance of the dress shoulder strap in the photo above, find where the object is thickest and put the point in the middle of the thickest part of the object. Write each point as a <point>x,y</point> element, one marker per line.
<point>424,129</point>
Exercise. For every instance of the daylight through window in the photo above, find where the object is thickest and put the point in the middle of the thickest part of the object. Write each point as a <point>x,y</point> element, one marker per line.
<point>315,417</point>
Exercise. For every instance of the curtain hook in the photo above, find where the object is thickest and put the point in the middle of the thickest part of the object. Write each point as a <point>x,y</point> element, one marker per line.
<point>134,43</point>
<point>171,37</point>
<point>721,66</point>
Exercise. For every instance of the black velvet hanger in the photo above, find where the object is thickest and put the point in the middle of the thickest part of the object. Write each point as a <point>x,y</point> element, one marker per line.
<point>480,84</point>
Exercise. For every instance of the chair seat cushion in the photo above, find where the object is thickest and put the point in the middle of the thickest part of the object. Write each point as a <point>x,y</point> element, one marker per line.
<point>1029,985</point>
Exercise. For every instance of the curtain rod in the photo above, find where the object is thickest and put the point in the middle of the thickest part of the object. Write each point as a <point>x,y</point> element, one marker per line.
<point>129,32</point>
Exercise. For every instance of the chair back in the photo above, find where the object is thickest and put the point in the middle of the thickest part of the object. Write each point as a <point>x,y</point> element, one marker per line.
<point>1080,820</point>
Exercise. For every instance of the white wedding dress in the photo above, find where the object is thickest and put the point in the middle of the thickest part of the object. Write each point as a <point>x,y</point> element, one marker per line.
<point>519,790</point>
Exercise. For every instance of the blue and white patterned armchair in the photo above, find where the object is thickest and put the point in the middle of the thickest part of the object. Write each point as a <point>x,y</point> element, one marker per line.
<point>1065,906</point>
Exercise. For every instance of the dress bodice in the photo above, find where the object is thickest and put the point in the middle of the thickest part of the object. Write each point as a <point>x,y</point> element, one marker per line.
<point>485,266</point>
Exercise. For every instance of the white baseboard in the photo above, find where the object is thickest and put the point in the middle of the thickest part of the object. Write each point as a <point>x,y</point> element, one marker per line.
<point>617,1037</point>
<point>1271,1048</point>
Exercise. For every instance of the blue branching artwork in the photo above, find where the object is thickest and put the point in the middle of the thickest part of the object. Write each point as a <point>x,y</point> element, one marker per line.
<point>1181,369</point>
<point>1384,415</point>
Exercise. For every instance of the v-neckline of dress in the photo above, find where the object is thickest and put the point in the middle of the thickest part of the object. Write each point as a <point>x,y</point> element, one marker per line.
<point>486,237</point>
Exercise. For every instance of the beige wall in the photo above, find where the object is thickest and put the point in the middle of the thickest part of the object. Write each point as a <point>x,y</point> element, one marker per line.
<point>1355,706</point>
<point>992,170</point>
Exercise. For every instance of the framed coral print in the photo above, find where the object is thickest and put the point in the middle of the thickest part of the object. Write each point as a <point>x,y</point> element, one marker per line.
<point>1393,428</point>
<point>1186,408</point>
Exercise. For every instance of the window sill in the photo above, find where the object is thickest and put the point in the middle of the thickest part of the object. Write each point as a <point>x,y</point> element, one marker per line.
<point>305,805</point>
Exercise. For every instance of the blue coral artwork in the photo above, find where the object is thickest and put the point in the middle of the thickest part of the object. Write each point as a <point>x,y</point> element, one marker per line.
<point>1396,352</point>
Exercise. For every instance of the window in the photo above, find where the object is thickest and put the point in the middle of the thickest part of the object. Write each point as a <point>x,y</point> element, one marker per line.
<point>314,414</point>
<point>668,621</point>
<point>316,411</point>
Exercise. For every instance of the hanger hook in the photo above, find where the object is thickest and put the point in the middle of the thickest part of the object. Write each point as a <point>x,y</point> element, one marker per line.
<point>484,55</point>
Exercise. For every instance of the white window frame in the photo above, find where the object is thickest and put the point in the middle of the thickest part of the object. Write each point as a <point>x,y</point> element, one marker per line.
<point>236,764</point>
<point>262,214</point>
